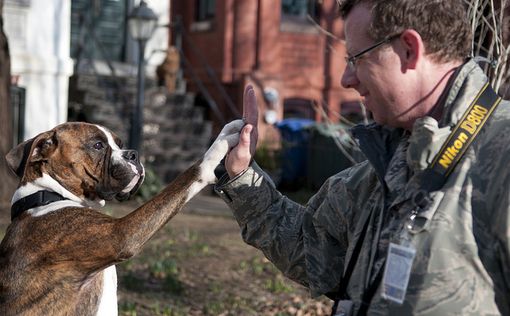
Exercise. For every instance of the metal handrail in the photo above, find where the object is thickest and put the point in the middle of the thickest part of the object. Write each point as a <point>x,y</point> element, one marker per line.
<point>203,90</point>
<point>181,33</point>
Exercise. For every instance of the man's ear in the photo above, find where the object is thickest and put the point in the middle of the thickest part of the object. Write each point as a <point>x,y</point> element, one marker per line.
<point>413,46</point>
<point>35,149</point>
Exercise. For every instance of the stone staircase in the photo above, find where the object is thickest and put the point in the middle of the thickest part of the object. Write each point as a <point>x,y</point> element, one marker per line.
<point>175,133</point>
<point>103,100</point>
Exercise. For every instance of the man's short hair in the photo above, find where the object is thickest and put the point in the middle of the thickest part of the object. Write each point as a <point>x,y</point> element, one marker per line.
<point>442,24</point>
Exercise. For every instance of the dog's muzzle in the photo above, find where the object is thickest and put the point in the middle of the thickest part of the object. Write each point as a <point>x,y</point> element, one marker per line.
<point>131,156</point>
<point>125,177</point>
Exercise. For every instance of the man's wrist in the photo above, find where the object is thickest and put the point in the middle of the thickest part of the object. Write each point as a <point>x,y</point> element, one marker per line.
<point>233,174</point>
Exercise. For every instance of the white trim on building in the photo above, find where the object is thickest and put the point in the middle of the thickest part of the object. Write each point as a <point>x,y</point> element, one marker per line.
<point>38,34</point>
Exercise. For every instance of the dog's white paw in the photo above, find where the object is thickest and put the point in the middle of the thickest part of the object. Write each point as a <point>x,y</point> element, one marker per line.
<point>228,138</point>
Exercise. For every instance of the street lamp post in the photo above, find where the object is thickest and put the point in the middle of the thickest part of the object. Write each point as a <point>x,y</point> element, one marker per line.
<point>141,23</point>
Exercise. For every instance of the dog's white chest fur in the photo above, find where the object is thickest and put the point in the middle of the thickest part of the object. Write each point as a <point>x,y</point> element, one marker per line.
<point>108,299</point>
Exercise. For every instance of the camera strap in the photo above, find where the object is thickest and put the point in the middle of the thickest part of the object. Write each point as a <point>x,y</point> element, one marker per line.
<point>457,143</point>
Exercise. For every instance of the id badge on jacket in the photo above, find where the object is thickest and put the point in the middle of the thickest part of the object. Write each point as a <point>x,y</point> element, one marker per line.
<point>397,272</point>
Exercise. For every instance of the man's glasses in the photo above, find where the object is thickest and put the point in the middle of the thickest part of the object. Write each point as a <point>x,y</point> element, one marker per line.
<point>352,60</point>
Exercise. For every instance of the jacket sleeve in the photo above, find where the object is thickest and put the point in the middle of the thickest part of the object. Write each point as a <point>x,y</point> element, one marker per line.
<point>492,221</point>
<point>307,243</point>
<point>501,229</point>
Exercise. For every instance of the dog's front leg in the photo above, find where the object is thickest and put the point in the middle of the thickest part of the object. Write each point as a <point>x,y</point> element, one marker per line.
<point>136,228</point>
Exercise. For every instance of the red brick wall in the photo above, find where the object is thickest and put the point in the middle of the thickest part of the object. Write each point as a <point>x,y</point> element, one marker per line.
<point>246,44</point>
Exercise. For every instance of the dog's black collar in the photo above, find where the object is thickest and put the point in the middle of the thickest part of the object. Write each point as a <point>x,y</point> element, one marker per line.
<point>36,199</point>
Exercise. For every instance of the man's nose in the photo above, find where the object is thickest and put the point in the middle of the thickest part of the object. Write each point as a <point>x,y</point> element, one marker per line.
<point>349,78</point>
<point>130,155</point>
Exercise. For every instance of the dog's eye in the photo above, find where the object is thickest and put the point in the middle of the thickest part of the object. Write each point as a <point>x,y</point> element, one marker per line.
<point>99,145</point>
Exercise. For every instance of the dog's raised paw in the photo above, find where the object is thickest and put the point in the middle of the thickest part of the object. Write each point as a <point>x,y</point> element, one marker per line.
<point>228,138</point>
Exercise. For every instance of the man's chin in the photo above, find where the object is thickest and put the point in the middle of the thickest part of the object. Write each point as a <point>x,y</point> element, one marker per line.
<point>379,119</point>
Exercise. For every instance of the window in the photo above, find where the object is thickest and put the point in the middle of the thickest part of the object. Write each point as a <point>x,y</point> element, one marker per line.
<point>301,9</point>
<point>205,10</point>
<point>297,16</point>
<point>98,29</point>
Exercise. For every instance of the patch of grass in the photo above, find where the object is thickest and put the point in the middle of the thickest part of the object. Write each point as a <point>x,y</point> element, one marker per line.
<point>163,268</point>
<point>155,275</point>
<point>258,266</point>
<point>215,287</point>
<point>127,309</point>
<point>166,270</point>
<point>189,235</point>
<point>272,279</point>
<point>168,311</point>
<point>230,301</point>
<point>278,285</point>
<point>134,283</point>
<point>200,248</point>
<point>214,308</point>
<point>173,285</point>
<point>240,305</point>
<point>128,265</point>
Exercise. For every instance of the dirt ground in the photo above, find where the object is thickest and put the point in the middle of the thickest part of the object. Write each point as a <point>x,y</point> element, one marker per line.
<point>199,265</point>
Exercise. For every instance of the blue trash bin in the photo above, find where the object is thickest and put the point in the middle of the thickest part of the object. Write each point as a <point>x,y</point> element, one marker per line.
<point>295,134</point>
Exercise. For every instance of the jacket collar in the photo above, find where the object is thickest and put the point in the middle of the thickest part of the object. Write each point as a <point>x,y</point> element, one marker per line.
<point>378,143</point>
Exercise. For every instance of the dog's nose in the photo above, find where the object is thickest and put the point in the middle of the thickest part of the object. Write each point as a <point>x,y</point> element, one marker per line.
<point>130,155</point>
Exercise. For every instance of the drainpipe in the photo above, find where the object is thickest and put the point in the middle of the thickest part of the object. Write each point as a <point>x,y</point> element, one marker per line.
<point>256,64</point>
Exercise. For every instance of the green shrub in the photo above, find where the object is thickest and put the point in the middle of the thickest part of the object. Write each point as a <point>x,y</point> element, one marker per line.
<point>151,186</point>
<point>267,158</point>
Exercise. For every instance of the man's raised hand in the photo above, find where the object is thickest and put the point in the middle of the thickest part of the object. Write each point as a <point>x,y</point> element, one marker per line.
<point>239,158</point>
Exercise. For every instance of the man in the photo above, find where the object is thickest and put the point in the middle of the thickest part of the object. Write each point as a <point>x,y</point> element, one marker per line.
<point>388,236</point>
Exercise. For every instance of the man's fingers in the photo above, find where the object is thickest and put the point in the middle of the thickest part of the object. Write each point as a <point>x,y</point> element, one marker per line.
<point>245,138</point>
<point>242,150</point>
<point>250,108</point>
<point>239,157</point>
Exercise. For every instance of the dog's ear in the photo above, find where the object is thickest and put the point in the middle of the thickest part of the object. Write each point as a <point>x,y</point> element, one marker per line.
<point>35,149</point>
<point>17,157</point>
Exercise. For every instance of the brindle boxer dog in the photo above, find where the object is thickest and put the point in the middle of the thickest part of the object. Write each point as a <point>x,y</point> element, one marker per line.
<point>59,252</point>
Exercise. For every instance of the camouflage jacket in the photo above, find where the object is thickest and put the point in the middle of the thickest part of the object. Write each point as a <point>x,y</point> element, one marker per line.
<point>462,263</point>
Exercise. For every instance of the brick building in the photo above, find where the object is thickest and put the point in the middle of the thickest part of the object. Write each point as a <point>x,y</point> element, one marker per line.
<point>282,47</point>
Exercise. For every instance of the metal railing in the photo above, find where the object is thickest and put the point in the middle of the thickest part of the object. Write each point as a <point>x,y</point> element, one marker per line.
<point>180,34</point>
